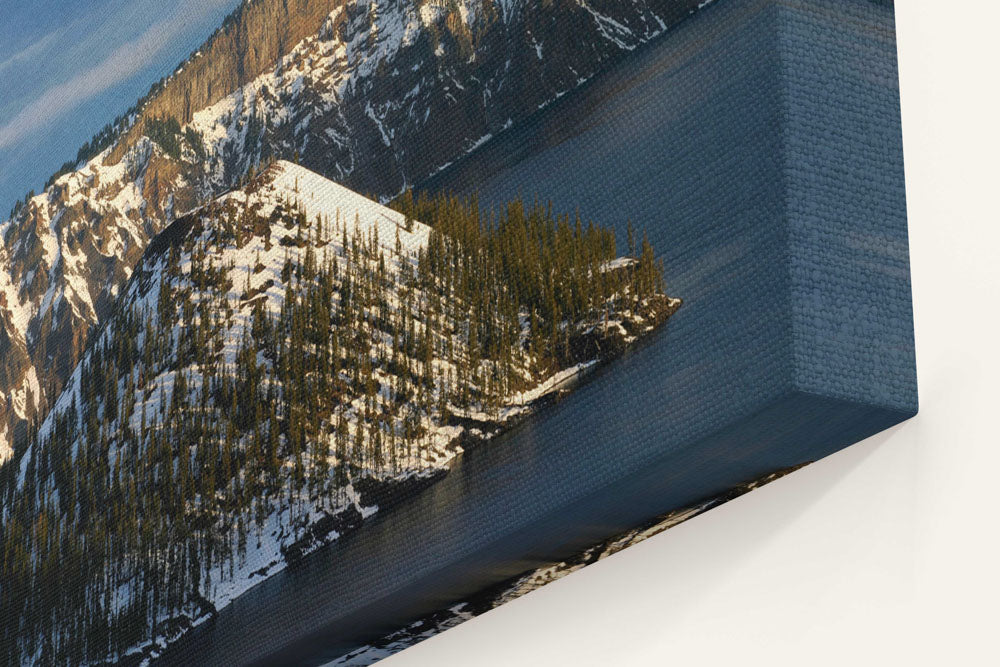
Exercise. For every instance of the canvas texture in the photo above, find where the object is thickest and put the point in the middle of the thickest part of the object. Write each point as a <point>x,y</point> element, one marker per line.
<point>375,316</point>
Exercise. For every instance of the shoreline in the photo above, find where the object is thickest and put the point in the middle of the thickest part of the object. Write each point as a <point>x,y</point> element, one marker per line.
<point>387,493</point>
<point>533,579</point>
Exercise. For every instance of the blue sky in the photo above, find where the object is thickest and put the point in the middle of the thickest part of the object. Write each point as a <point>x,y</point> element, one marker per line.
<point>67,67</point>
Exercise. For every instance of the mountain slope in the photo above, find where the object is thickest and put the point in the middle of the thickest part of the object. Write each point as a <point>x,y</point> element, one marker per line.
<point>377,95</point>
<point>283,362</point>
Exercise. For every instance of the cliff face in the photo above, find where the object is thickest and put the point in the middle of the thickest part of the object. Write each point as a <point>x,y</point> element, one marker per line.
<point>248,43</point>
<point>64,257</point>
<point>382,94</point>
<point>375,95</point>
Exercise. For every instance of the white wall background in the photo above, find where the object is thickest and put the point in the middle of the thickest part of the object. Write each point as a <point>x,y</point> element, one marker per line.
<point>886,553</point>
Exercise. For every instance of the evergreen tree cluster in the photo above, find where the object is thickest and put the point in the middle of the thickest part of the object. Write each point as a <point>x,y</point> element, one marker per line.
<point>166,132</point>
<point>233,402</point>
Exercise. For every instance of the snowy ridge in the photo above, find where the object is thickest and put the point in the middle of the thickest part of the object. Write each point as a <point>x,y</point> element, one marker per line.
<point>73,247</point>
<point>322,72</point>
<point>285,182</point>
<point>315,197</point>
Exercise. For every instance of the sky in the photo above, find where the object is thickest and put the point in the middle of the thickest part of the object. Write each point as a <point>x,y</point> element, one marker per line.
<point>68,67</point>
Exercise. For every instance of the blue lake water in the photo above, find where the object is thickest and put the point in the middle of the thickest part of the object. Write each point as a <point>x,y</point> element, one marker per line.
<point>685,138</point>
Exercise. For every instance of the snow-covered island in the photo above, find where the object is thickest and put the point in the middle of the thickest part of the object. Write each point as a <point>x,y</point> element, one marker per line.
<point>284,362</point>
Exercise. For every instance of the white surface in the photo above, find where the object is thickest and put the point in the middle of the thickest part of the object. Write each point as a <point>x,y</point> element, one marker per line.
<point>887,553</point>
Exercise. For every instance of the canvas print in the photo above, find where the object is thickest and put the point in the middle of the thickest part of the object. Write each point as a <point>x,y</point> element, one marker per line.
<point>368,317</point>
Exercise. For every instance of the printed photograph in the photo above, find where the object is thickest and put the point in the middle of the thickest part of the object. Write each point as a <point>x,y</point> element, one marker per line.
<point>368,317</point>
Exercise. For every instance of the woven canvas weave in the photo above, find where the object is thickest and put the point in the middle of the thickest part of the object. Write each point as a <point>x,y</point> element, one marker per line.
<point>757,145</point>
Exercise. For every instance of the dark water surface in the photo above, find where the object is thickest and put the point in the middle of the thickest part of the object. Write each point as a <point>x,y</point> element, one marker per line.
<point>685,138</point>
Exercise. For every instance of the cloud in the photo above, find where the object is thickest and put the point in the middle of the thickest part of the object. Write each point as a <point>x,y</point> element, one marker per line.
<point>125,61</point>
<point>36,49</point>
